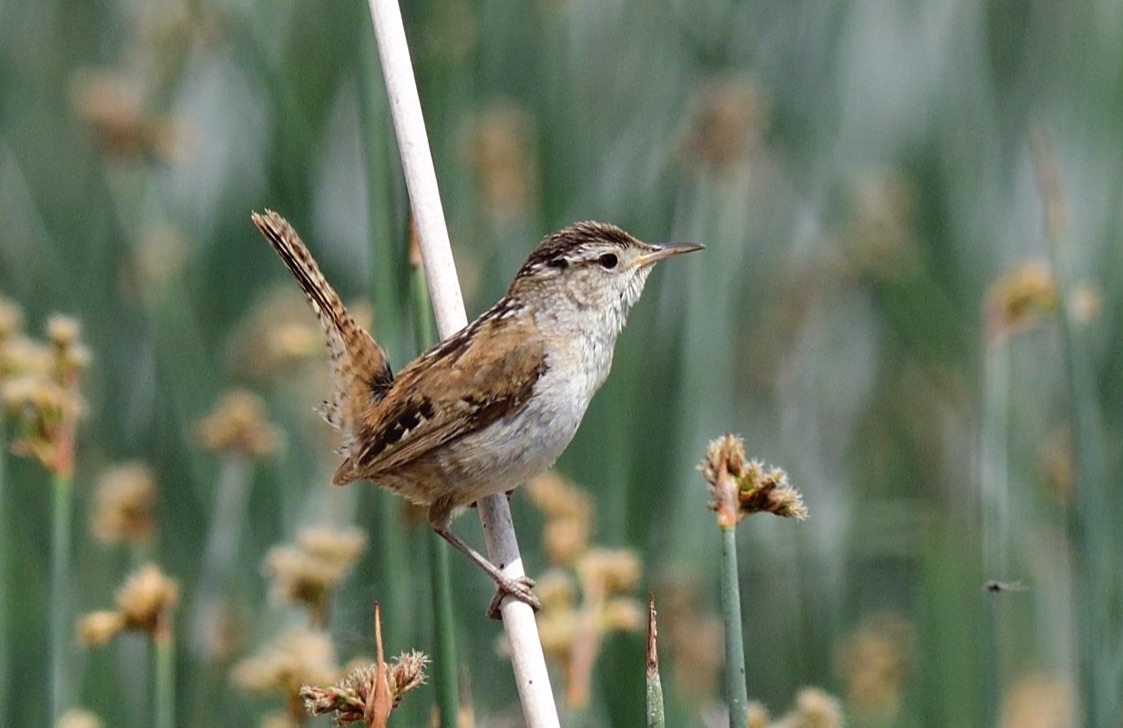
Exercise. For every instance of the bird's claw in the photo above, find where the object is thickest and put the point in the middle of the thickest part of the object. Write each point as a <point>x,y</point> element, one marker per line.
<point>519,588</point>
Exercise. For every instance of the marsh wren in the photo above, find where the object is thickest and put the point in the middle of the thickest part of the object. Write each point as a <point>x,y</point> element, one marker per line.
<point>498,401</point>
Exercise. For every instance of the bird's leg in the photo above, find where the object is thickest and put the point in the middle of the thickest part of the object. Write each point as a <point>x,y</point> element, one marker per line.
<point>440,518</point>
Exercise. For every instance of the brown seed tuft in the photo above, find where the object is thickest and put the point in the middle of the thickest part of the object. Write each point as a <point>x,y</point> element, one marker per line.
<point>112,105</point>
<point>238,425</point>
<point>11,320</point>
<point>144,604</point>
<point>99,628</point>
<point>568,511</point>
<point>1020,299</point>
<point>349,697</point>
<point>124,501</point>
<point>729,118</point>
<point>39,387</point>
<point>873,662</point>
<point>275,337</point>
<point>1039,700</point>
<point>502,151</point>
<point>78,718</point>
<point>295,658</point>
<point>308,572</point>
<point>814,708</point>
<point>739,488</point>
<point>574,621</point>
<point>147,598</point>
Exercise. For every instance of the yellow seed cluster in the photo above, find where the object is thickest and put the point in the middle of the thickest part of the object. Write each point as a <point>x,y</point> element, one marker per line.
<point>238,425</point>
<point>144,604</point>
<point>124,505</point>
<point>295,658</point>
<point>308,572</point>
<point>739,488</point>
<point>39,388</point>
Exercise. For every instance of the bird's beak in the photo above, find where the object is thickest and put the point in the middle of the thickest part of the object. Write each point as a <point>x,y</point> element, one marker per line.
<point>659,252</point>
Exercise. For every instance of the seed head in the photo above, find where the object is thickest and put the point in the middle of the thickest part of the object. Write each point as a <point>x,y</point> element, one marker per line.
<point>739,488</point>
<point>144,604</point>
<point>308,572</point>
<point>296,657</point>
<point>568,512</point>
<point>124,502</point>
<point>238,425</point>
<point>1020,299</point>
<point>350,696</point>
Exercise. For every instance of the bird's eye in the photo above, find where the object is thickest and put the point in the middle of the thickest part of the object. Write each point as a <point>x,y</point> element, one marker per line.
<point>608,261</point>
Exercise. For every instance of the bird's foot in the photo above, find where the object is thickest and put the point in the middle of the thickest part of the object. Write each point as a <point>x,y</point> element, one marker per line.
<point>519,588</point>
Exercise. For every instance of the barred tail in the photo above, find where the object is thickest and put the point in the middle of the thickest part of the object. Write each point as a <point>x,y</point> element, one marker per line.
<point>361,372</point>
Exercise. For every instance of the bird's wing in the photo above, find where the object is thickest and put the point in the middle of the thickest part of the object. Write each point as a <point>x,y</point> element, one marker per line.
<point>460,386</point>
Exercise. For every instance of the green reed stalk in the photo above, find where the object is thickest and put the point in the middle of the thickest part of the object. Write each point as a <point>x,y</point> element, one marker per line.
<point>995,505</point>
<point>62,490</point>
<point>1092,533</point>
<point>389,297</point>
<point>5,661</point>
<point>164,648</point>
<point>222,554</point>
<point>736,689</point>
<point>444,654</point>
<point>1094,523</point>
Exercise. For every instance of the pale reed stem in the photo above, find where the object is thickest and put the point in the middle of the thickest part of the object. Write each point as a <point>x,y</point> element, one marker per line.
<point>448,307</point>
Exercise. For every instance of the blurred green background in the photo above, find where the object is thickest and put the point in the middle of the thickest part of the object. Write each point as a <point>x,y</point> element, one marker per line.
<point>862,174</point>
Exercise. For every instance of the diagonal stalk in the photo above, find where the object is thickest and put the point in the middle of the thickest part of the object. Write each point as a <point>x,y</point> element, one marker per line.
<point>527,657</point>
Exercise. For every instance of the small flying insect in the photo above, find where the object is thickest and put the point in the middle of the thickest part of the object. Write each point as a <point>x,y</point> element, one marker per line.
<point>1004,586</point>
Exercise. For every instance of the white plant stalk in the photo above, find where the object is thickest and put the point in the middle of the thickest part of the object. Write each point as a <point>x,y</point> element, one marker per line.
<point>527,657</point>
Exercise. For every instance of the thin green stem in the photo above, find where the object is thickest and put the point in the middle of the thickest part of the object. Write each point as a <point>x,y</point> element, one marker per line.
<point>995,505</point>
<point>444,654</point>
<point>5,657</point>
<point>389,284</point>
<point>1094,522</point>
<point>736,689</point>
<point>393,548</point>
<point>220,558</point>
<point>577,716</point>
<point>1092,531</point>
<point>444,658</point>
<point>388,296</point>
<point>1090,535</point>
<point>422,312</point>
<point>63,492</point>
<point>164,646</point>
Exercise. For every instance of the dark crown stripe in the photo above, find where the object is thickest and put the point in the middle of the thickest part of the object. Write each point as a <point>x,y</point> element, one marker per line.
<point>555,248</point>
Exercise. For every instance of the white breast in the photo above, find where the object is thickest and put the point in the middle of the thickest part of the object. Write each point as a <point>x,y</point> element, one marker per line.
<point>521,447</point>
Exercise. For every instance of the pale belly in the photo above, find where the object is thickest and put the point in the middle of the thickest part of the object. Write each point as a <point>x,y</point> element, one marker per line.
<point>512,451</point>
<point>508,452</point>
